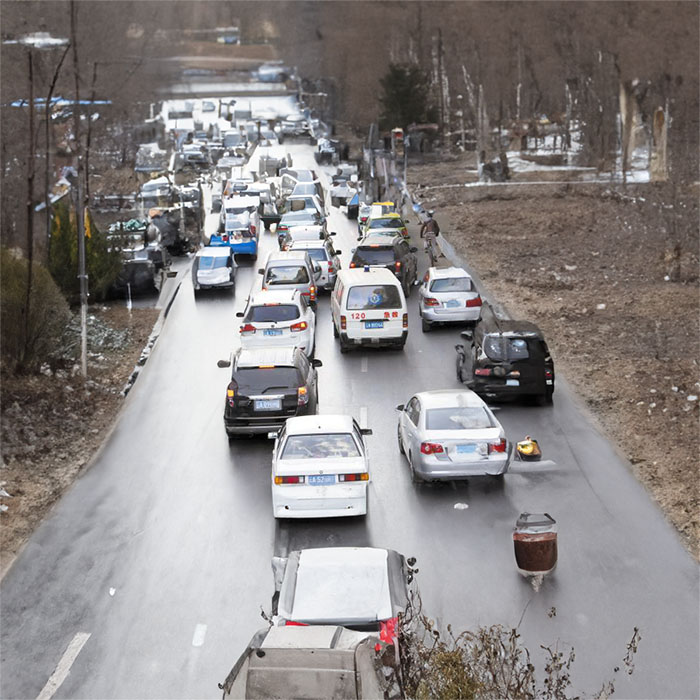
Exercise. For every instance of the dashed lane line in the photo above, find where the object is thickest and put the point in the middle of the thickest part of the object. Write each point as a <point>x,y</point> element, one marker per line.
<point>64,665</point>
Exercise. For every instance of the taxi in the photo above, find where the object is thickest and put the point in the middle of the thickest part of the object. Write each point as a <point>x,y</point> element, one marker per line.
<point>390,221</point>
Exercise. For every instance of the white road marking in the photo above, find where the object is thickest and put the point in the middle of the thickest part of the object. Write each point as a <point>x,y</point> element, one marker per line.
<point>461,506</point>
<point>64,666</point>
<point>363,416</point>
<point>112,591</point>
<point>200,632</point>
<point>363,364</point>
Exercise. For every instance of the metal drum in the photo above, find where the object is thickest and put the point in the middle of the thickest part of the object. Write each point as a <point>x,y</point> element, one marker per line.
<point>535,543</point>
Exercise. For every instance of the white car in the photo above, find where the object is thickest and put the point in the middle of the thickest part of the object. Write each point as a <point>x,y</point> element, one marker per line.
<point>320,468</point>
<point>448,295</point>
<point>363,587</point>
<point>276,319</point>
<point>327,257</point>
<point>451,434</point>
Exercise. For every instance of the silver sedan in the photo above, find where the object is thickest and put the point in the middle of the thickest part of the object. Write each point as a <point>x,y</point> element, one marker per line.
<point>452,434</point>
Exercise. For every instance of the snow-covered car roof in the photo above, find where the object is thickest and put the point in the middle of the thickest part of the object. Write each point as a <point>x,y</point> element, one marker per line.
<point>214,251</point>
<point>257,357</point>
<point>445,398</point>
<point>448,272</point>
<point>305,425</point>
<point>277,296</point>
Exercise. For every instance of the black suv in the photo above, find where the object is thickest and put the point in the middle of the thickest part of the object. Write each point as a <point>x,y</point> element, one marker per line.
<point>394,253</point>
<point>503,358</point>
<point>268,386</point>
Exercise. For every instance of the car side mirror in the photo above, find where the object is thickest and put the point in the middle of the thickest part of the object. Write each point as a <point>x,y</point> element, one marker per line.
<point>353,250</point>
<point>467,335</point>
<point>172,273</point>
<point>273,436</point>
<point>316,363</point>
<point>366,431</point>
<point>338,252</point>
<point>334,233</point>
<point>261,271</point>
<point>400,407</point>
<point>240,314</point>
<point>223,363</point>
<point>413,249</point>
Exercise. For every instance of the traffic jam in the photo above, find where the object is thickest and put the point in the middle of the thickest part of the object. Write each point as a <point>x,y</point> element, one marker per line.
<point>275,190</point>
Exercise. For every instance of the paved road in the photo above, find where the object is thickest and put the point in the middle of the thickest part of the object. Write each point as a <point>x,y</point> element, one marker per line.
<point>161,551</point>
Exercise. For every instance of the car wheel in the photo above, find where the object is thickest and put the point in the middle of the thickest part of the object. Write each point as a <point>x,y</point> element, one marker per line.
<point>497,477</point>
<point>415,478</point>
<point>407,288</point>
<point>398,437</point>
<point>344,348</point>
<point>254,256</point>
<point>335,331</point>
<point>425,325</point>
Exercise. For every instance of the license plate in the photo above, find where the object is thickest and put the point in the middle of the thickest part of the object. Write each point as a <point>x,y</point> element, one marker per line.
<point>466,449</point>
<point>451,304</point>
<point>267,404</point>
<point>272,331</point>
<point>320,479</point>
<point>512,382</point>
<point>374,324</point>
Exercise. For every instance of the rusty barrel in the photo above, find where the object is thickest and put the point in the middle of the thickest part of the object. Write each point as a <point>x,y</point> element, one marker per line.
<point>535,543</point>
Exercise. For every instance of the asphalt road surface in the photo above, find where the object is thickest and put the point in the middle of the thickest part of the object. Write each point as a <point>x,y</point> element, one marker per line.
<point>148,578</point>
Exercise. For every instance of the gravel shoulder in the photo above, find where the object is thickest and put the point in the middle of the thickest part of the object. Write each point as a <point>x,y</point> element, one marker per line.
<point>588,265</point>
<point>54,423</point>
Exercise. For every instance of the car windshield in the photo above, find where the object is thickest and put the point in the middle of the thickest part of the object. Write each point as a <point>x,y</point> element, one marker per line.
<point>231,140</point>
<point>273,313</point>
<point>373,297</point>
<point>211,263</point>
<point>252,381</point>
<point>501,349</point>
<point>304,215</point>
<point>287,274</point>
<point>318,254</point>
<point>452,284</point>
<point>385,223</point>
<point>236,211</point>
<point>457,418</point>
<point>375,255</point>
<point>326,446</point>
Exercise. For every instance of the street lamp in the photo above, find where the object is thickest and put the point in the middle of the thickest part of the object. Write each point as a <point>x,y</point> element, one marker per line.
<point>460,114</point>
<point>35,41</point>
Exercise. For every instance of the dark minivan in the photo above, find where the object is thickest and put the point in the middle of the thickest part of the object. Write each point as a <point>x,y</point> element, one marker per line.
<point>268,386</point>
<point>392,252</point>
<point>506,358</point>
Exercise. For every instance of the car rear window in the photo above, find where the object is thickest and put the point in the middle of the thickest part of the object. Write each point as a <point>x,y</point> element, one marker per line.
<point>287,274</point>
<point>273,312</point>
<point>326,446</point>
<point>317,254</point>
<point>209,263</point>
<point>253,381</point>
<point>457,418</point>
<point>502,349</point>
<point>373,296</point>
<point>385,223</point>
<point>452,284</point>
<point>380,255</point>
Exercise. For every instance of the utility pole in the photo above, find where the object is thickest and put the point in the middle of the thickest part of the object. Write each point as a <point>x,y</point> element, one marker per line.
<point>80,204</point>
<point>441,81</point>
<point>30,204</point>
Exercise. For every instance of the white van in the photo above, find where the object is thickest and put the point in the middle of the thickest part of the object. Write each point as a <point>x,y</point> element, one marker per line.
<point>368,307</point>
<point>291,270</point>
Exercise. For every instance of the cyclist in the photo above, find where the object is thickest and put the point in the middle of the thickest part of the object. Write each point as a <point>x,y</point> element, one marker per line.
<point>430,230</point>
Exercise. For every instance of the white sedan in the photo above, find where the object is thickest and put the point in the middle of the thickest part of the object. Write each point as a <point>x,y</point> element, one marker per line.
<point>448,295</point>
<point>320,468</point>
<point>276,319</point>
<point>452,434</point>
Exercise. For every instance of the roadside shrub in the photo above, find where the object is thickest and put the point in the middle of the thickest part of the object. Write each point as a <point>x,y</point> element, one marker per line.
<point>25,348</point>
<point>405,95</point>
<point>102,263</point>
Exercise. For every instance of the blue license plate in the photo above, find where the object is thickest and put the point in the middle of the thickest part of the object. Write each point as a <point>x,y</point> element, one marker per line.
<point>512,382</point>
<point>272,331</point>
<point>466,449</point>
<point>374,324</point>
<point>267,404</point>
<point>320,479</point>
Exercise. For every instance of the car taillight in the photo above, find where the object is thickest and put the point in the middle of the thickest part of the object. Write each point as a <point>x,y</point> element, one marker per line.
<point>499,446</point>
<point>547,374</point>
<point>231,393</point>
<point>474,302</point>
<point>290,480</point>
<point>397,265</point>
<point>302,396</point>
<point>248,328</point>
<point>364,476</point>
<point>405,321</point>
<point>292,623</point>
<point>282,227</point>
<point>352,264</point>
<point>252,229</point>
<point>331,270</point>
<point>343,323</point>
<point>425,277</point>
<point>224,237</point>
<point>431,448</point>
<point>301,326</point>
<point>312,291</point>
<point>429,301</point>
<point>514,373</point>
<point>482,372</point>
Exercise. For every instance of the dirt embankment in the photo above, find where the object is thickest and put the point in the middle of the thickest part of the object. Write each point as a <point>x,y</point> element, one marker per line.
<point>589,265</point>
<point>52,424</point>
